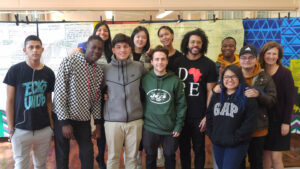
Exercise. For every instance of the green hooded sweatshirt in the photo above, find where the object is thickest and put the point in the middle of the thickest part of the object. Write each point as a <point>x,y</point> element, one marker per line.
<point>164,103</point>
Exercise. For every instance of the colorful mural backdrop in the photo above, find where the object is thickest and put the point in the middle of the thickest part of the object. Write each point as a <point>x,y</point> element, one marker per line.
<point>286,32</point>
<point>3,124</point>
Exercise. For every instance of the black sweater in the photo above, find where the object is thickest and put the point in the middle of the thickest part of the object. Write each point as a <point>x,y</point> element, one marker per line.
<point>283,108</point>
<point>227,125</point>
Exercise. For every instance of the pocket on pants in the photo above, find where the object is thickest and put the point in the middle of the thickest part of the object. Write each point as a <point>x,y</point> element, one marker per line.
<point>17,142</point>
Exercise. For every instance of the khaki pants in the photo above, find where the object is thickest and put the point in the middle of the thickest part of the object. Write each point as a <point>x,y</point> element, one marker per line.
<point>22,142</point>
<point>119,134</point>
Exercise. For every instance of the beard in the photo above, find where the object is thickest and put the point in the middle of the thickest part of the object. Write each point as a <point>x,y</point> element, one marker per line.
<point>194,53</point>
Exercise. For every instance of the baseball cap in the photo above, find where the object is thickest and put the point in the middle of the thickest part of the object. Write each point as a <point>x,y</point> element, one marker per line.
<point>248,49</point>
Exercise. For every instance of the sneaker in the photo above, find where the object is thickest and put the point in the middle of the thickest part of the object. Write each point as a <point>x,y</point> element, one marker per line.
<point>124,157</point>
<point>160,158</point>
<point>139,160</point>
<point>103,166</point>
<point>160,162</point>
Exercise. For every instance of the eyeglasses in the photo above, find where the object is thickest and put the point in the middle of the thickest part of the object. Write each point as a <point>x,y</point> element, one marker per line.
<point>247,58</point>
<point>234,77</point>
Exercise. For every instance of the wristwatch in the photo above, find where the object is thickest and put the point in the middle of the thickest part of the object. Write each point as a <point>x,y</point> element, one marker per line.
<point>11,131</point>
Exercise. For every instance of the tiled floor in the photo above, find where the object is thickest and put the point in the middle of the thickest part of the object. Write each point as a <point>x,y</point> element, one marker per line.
<point>291,158</point>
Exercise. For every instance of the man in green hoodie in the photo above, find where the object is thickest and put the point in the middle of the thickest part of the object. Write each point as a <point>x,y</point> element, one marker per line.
<point>164,110</point>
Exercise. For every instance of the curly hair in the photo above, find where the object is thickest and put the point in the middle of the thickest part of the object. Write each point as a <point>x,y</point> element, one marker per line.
<point>185,41</point>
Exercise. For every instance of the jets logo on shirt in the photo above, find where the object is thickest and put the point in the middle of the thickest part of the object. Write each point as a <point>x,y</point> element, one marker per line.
<point>159,96</point>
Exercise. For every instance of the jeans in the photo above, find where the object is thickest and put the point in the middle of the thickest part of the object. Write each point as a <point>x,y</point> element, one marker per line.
<point>230,157</point>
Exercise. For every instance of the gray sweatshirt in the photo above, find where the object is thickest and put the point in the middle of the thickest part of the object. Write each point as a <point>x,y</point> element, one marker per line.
<point>122,79</point>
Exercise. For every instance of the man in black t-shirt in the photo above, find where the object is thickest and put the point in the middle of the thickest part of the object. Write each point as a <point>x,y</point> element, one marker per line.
<point>199,75</point>
<point>29,104</point>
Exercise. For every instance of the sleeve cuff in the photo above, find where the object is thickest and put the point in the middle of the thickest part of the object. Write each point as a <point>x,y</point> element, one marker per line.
<point>64,122</point>
<point>177,129</point>
<point>97,121</point>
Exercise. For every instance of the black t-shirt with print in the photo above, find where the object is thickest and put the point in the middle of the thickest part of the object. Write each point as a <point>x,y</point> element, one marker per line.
<point>196,74</point>
<point>172,59</point>
<point>31,86</point>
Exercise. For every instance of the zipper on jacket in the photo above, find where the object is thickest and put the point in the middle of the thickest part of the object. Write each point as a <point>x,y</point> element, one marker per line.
<point>122,68</point>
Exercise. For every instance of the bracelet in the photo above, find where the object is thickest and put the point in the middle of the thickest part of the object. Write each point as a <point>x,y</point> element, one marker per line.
<point>11,131</point>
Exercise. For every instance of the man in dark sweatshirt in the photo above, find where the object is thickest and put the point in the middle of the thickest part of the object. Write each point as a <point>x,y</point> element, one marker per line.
<point>164,110</point>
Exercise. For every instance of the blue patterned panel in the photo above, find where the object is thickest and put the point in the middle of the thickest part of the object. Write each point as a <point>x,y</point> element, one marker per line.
<point>260,31</point>
<point>290,39</point>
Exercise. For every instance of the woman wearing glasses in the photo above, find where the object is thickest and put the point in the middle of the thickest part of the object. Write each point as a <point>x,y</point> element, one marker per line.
<point>231,118</point>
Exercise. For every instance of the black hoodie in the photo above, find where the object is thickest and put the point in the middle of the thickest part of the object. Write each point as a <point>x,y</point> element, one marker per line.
<point>227,125</point>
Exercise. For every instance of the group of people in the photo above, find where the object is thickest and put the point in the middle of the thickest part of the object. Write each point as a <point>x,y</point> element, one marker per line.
<point>151,99</point>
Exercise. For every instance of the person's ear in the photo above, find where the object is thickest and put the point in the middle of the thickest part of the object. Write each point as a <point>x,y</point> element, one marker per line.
<point>113,50</point>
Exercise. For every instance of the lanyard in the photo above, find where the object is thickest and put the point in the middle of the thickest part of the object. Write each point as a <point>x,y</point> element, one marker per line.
<point>88,79</point>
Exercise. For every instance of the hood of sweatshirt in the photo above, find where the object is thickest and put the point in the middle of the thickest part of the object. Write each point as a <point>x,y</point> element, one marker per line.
<point>256,71</point>
<point>221,60</point>
<point>122,67</point>
<point>160,79</point>
<point>116,62</point>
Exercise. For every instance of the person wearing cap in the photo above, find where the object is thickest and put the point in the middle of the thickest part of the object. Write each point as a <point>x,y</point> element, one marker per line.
<point>228,55</point>
<point>264,90</point>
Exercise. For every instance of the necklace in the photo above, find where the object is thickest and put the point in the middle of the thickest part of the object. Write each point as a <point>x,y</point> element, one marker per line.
<point>88,79</point>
